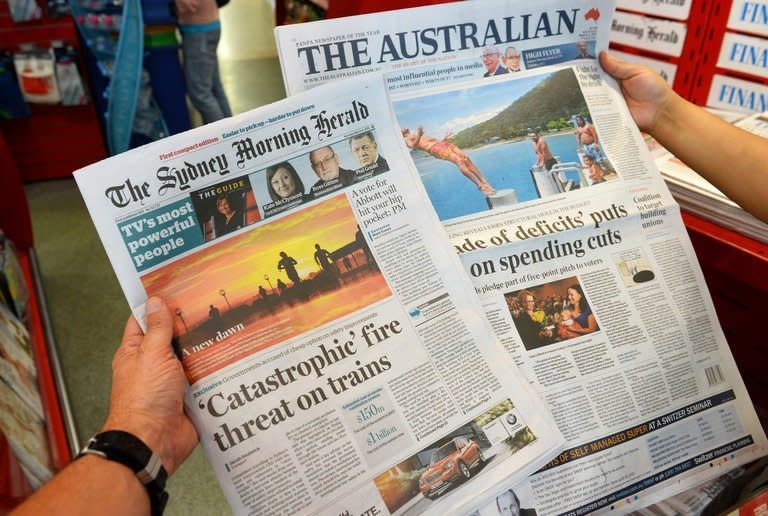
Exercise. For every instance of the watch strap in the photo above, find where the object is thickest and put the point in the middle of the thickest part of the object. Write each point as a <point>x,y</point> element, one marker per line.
<point>130,451</point>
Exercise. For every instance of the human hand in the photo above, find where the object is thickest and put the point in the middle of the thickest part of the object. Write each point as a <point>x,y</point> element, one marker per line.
<point>147,397</point>
<point>646,93</point>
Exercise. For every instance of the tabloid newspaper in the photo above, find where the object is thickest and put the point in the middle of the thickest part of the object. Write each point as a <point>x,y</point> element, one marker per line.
<point>336,363</point>
<point>570,236</point>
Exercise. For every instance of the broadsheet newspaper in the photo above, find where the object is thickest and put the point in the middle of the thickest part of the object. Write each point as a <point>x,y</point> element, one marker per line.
<point>569,234</point>
<point>336,364</point>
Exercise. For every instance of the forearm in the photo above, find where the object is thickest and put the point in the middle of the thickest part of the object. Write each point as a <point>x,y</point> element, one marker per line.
<point>92,486</point>
<point>732,159</point>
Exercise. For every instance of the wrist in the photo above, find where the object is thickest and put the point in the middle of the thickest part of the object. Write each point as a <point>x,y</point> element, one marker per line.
<point>668,116</point>
<point>144,429</point>
<point>130,452</point>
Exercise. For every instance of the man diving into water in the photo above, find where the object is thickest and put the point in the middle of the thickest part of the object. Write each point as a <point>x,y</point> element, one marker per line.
<point>445,150</point>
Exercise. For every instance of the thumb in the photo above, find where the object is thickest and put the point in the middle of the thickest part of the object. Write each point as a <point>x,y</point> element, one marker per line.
<point>617,69</point>
<point>159,325</point>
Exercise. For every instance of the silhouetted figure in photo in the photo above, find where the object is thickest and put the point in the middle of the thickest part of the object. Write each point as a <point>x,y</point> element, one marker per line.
<point>214,313</point>
<point>324,259</point>
<point>286,296</point>
<point>266,300</point>
<point>288,264</point>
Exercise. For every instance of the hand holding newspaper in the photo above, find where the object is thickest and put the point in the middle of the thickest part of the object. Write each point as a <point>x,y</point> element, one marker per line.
<point>335,362</point>
<point>569,234</point>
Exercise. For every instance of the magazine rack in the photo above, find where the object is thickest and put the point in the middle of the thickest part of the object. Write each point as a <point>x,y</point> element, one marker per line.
<point>684,65</point>
<point>54,140</point>
<point>62,436</point>
<point>746,73</point>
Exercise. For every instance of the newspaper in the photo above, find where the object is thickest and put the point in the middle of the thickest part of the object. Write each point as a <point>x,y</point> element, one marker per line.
<point>435,45</point>
<point>581,260</point>
<point>335,363</point>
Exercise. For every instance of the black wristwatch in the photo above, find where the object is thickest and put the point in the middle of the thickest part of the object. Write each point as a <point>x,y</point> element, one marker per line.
<point>129,450</point>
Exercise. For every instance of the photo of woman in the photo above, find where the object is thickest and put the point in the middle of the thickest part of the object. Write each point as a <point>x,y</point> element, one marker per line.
<point>580,311</point>
<point>229,218</point>
<point>283,182</point>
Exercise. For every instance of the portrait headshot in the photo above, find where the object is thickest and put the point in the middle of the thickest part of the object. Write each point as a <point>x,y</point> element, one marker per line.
<point>225,207</point>
<point>583,52</point>
<point>331,176</point>
<point>508,504</point>
<point>512,59</point>
<point>285,188</point>
<point>283,182</point>
<point>366,152</point>
<point>492,61</point>
<point>230,215</point>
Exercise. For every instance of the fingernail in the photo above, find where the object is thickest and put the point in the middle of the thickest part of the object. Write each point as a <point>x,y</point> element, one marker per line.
<point>153,305</point>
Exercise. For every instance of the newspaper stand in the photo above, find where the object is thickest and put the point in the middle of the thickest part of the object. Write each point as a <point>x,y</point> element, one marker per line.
<point>681,67</point>
<point>54,140</point>
<point>62,438</point>
<point>747,25</point>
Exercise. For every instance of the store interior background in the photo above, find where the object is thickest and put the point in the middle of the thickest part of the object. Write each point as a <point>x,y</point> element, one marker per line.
<point>87,308</point>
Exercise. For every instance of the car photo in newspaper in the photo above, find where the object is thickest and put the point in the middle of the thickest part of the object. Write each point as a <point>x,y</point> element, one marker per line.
<point>335,363</point>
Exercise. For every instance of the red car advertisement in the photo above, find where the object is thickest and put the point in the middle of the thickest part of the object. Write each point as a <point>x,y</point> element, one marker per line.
<point>451,463</point>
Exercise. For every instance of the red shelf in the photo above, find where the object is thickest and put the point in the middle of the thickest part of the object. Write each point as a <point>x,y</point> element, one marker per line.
<point>736,270</point>
<point>52,400</point>
<point>54,140</point>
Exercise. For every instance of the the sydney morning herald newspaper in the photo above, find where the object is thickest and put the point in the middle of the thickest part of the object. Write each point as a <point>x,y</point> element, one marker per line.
<point>336,364</point>
<point>569,234</point>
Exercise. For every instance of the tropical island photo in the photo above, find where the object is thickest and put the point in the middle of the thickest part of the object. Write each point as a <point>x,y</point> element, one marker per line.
<point>504,142</point>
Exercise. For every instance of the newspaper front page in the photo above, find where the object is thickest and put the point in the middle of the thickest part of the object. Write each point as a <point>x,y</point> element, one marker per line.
<point>584,269</point>
<point>335,363</point>
<point>431,46</point>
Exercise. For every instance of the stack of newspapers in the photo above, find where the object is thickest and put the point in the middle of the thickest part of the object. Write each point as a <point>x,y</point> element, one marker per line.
<point>698,196</point>
<point>443,277</point>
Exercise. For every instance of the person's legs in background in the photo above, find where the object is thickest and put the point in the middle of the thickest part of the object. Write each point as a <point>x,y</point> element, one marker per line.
<point>201,72</point>
<point>218,88</point>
